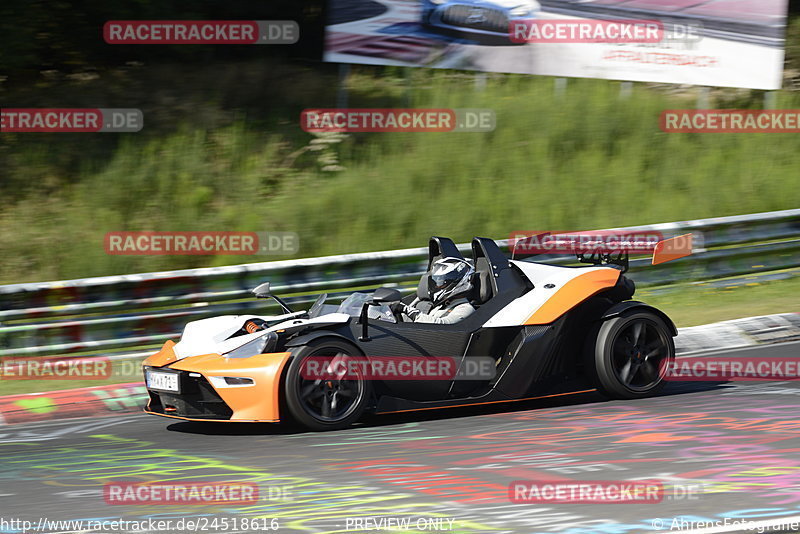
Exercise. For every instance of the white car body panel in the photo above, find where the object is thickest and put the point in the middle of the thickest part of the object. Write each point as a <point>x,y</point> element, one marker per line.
<point>518,310</point>
<point>210,336</point>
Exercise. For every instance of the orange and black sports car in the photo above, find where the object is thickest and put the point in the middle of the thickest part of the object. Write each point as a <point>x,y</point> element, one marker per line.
<point>549,330</point>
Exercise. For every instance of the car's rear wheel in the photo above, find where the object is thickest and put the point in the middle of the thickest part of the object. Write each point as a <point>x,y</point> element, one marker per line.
<point>329,404</point>
<point>631,353</point>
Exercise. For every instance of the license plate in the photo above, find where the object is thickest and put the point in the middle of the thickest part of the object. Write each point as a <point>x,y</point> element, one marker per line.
<point>162,381</point>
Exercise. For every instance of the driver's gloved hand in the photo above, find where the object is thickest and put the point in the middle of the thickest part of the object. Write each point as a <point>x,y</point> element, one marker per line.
<point>400,307</point>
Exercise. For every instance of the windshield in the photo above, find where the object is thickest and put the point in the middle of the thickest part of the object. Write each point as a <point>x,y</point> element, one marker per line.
<point>316,309</point>
<point>352,306</point>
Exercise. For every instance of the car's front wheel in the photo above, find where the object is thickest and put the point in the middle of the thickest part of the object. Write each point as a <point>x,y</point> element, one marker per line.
<point>631,353</point>
<point>324,404</point>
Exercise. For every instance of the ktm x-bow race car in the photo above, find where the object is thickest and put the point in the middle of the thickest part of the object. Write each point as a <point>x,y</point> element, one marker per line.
<point>549,330</point>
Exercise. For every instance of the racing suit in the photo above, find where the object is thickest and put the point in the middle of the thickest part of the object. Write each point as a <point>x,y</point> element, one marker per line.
<point>448,312</point>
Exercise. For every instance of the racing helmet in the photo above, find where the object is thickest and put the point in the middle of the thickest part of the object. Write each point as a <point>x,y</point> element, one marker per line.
<point>449,278</point>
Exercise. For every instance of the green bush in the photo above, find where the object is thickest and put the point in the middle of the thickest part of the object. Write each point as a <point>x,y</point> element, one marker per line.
<point>584,159</point>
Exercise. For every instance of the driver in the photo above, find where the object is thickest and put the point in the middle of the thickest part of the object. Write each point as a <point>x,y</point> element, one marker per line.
<point>448,285</point>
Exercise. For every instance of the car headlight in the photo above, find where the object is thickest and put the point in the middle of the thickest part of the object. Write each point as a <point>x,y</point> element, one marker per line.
<point>260,345</point>
<point>231,381</point>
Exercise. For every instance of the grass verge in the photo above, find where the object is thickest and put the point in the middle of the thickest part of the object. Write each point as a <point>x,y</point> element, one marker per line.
<point>696,304</point>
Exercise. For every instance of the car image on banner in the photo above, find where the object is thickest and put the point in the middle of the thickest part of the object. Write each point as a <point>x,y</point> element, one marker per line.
<point>719,43</point>
<point>485,20</point>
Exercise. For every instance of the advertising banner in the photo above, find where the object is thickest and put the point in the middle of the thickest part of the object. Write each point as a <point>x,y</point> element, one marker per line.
<point>721,43</point>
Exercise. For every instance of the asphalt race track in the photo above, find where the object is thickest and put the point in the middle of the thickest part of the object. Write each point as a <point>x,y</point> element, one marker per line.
<point>729,450</point>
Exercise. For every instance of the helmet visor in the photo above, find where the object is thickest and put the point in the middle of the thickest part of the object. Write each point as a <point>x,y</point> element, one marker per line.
<point>446,279</point>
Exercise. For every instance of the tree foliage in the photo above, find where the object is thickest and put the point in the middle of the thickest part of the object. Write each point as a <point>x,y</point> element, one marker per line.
<point>66,35</point>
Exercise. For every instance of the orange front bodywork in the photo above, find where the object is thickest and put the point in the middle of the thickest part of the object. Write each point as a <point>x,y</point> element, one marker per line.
<point>163,357</point>
<point>257,403</point>
<point>573,293</point>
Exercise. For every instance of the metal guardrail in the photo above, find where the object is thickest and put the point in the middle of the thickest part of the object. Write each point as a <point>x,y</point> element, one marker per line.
<point>130,311</point>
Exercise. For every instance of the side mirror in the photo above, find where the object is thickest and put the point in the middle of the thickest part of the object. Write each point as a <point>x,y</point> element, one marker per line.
<point>385,295</point>
<point>262,291</point>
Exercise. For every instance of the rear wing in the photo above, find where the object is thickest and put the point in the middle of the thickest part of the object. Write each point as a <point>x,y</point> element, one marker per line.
<point>603,247</point>
<point>670,249</point>
<point>673,249</point>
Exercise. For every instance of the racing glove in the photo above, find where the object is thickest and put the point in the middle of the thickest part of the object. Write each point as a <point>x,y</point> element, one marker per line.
<point>400,307</point>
